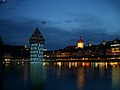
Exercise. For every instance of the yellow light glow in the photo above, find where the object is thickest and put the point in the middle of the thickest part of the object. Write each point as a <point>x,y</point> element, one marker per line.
<point>75,64</point>
<point>59,64</point>
<point>106,65</point>
<point>70,64</point>
<point>80,45</point>
<point>44,64</point>
<point>7,59</point>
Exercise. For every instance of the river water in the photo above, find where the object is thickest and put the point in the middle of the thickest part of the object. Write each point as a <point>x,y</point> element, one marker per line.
<point>61,76</point>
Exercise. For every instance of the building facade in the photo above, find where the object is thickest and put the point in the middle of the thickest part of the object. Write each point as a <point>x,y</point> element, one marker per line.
<point>36,46</point>
<point>106,50</point>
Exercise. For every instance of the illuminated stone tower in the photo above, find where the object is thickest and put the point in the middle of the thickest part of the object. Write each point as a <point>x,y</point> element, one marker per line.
<point>80,43</point>
<point>89,43</point>
<point>36,46</point>
<point>103,42</point>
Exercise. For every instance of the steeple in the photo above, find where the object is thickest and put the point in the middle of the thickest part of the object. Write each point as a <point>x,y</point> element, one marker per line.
<point>80,40</point>
<point>103,42</point>
<point>80,43</point>
<point>89,43</point>
<point>37,37</point>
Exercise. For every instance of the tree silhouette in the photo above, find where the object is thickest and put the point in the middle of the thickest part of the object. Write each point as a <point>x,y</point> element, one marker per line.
<point>1,66</point>
<point>1,49</point>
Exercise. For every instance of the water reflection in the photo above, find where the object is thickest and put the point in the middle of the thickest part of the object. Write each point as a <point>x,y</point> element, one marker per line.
<point>37,76</point>
<point>115,75</point>
<point>26,72</point>
<point>61,76</point>
<point>1,76</point>
<point>105,75</point>
<point>81,78</point>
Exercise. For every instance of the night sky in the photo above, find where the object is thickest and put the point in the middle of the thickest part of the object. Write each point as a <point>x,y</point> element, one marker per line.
<point>61,22</point>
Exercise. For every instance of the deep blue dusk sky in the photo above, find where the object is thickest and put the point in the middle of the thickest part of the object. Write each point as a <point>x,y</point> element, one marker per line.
<point>61,22</point>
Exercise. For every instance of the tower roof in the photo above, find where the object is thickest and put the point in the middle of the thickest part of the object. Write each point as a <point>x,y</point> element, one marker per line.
<point>89,41</point>
<point>80,40</point>
<point>37,37</point>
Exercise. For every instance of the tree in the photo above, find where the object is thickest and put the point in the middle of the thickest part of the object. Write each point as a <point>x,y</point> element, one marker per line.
<point>1,67</point>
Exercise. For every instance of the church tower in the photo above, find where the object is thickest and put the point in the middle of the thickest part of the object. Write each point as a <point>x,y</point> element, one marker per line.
<point>103,42</point>
<point>80,43</point>
<point>36,46</point>
<point>89,43</point>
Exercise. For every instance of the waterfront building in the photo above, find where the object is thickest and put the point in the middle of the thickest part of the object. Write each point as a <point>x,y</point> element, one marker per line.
<point>80,43</point>
<point>114,49</point>
<point>25,52</point>
<point>36,46</point>
<point>106,50</point>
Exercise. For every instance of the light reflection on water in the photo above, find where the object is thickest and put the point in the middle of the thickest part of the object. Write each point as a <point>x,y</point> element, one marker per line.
<point>61,76</point>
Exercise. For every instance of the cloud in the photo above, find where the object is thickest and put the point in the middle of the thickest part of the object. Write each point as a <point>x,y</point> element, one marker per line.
<point>68,21</point>
<point>61,38</point>
<point>95,35</point>
<point>16,32</point>
<point>19,32</point>
<point>2,2</point>
<point>43,22</point>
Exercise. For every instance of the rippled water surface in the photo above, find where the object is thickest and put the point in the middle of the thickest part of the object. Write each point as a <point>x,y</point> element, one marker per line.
<point>61,76</point>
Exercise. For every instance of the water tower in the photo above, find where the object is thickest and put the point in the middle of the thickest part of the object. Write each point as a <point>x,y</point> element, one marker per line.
<point>36,46</point>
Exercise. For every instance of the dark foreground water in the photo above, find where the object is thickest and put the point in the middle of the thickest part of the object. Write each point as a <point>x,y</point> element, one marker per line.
<point>61,76</point>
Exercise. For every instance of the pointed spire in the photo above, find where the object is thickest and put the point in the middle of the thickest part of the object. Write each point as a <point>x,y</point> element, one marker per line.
<point>89,43</point>
<point>37,37</point>
<point>36,28</point>
<point>80,43</point>
<point>80,40</point>
<point>104,42</point>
